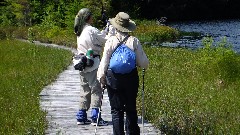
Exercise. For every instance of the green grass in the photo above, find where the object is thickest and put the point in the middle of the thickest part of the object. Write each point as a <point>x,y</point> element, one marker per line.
<point>193,92</point>
<point>186,92</point>
<point>24,70</point>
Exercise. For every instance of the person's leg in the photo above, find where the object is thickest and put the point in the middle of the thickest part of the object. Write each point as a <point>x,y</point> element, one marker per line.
<point>85,99</point>
<point>117,111</point>
<point>85,92</point>
<point>118,121</point>
<point>130,94</point>
<point>96,90</point>
<point>96,98</point>
<point>131,124</point>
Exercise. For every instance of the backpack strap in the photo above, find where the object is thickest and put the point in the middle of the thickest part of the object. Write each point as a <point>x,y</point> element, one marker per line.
<point>125,39</point>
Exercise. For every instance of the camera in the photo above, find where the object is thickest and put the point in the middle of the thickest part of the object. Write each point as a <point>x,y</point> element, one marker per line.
<point>80,62</point>
<point>89,62</point>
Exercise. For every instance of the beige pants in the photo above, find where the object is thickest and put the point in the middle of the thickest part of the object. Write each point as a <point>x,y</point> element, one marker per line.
<point>90,90</point>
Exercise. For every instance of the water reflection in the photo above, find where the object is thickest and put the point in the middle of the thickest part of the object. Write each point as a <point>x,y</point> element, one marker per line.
<point>217,29</point>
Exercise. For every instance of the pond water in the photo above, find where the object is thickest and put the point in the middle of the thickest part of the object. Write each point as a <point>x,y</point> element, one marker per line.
<point>217,29</point>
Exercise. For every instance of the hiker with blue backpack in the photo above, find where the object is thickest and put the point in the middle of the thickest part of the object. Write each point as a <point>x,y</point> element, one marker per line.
<point>118,72</point>
<point>90,40</point>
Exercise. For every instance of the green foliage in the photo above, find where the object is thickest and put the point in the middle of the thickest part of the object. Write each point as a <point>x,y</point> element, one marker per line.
<point>15,13</point>
<point>60,13</point>
<point>148,31</point>
<point>2,34</point>
<point>132,7</point>
<point>71,11</point>
<point>25,70</point>
<point>222,58</point>
<point>36,12</point>
<point>55,35</point>
<point>30,35</point>
<point>193,92</point>
<point>6,16</point>
<point>186,93</point>
<point>8,32</point>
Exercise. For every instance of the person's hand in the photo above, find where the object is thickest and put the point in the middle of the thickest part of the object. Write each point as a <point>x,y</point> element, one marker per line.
<point>108,24</point>
<point>103,82</point>
<point>107,27</point>
<point>103,86</point>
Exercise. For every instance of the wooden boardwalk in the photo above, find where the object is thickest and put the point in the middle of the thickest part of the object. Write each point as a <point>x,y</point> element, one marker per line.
<point>60,99</point>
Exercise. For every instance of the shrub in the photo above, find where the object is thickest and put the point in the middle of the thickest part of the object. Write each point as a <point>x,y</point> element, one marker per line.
<point>2,34</point>
<point>147,31</point>
<point>222,58</point>
<point>8,32</point>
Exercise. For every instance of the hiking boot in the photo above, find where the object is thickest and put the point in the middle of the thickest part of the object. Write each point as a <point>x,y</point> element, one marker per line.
<point>101,122</point>
<point>82,117</point>
<point>83,122</point>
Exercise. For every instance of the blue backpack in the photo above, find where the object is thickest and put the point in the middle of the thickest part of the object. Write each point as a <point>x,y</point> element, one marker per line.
<point>123,59</point>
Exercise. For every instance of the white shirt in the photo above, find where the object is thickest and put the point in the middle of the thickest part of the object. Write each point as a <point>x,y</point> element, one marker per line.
<point>132,42</point>
<point>92,38</point>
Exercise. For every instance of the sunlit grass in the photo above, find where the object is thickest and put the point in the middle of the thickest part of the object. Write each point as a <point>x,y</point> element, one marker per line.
<point>186,92</point>
<point>24,70</point>
<point>189,92</point>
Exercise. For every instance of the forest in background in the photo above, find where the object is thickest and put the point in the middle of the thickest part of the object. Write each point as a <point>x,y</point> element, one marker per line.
<point>60,13</point>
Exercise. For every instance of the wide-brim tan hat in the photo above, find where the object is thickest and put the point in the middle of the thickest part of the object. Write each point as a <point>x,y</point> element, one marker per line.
<point>123,23</point>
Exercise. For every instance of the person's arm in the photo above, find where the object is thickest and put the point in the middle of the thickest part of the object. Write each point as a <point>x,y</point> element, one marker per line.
<point>110,31</point>
<point>141,57</point>
<point>99,37</point>
<point>108,48</point>
<point>102,36</point>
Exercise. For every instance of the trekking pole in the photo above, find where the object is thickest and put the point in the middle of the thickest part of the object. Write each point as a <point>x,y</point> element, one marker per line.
<point>143,71</point>
<point>99,113</point>
<point>104,16</point>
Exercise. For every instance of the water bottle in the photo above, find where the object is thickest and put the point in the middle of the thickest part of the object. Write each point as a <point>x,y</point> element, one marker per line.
<point>89,55</point>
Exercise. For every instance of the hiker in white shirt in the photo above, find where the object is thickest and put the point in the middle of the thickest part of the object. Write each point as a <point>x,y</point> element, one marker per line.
<point>122,87</point>
<point>89,37</point>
